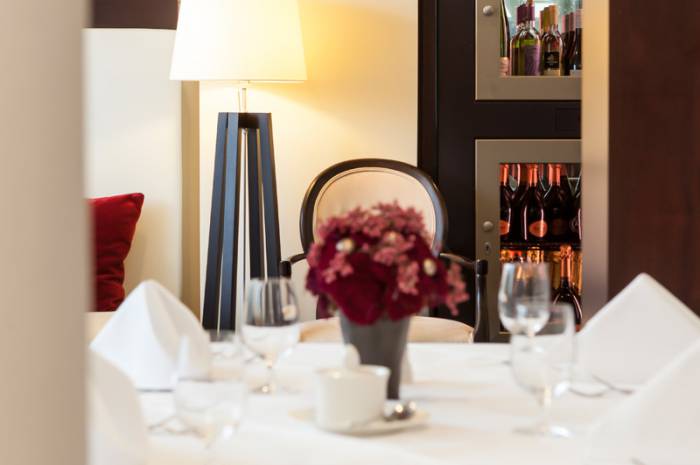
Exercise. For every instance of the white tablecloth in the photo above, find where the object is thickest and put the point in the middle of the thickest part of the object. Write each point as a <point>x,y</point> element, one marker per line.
<point>469,392</point>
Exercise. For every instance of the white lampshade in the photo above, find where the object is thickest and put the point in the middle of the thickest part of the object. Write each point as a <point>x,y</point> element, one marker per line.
<point>238,40</point>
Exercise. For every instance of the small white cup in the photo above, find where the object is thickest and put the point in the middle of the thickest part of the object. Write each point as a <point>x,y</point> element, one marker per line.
<point>349,397</point>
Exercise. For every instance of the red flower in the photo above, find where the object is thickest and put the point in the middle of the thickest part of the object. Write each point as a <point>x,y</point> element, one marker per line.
<point>371,263</point>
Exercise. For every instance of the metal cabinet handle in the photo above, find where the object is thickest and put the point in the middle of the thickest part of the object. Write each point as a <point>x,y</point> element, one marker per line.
<point>487,226</point>
<point>488,10</point>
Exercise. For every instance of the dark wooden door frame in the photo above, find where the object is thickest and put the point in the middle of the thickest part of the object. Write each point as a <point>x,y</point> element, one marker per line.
<point>136,14</point>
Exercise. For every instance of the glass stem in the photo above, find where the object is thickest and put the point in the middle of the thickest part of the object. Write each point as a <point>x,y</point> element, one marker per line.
<point>270,381</point>
<point>545,402</point>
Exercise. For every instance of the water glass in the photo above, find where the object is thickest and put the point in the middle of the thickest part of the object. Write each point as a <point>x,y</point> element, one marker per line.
<point>212,405</point>
<point>524,296</point>
<point>270,326</point>
<point>543,363</point>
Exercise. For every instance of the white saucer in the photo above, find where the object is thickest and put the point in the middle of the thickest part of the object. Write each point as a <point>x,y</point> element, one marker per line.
<point>376,427</point>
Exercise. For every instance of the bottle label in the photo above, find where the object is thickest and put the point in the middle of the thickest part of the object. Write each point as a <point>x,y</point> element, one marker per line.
<point>538,229</point>
<point>552,64</point>
<point>504,227</point>
<point>559,227</point>
<point>531,59</point>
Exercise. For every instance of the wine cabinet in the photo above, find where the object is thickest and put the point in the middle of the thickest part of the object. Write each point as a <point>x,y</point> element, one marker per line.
<point>473,119</point>
<point>490,83</point>
<point>491,157</point>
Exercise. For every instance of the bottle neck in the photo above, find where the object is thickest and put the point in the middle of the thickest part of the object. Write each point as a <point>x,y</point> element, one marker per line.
<point>566,268</point>
<point>522,180</point>
<point>504,174</point>
<point>554,175</point>
<point>533,175</point>
<point>578,21</point>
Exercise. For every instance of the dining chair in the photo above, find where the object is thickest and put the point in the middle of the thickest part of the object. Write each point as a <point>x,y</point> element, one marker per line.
<point>365,182</point>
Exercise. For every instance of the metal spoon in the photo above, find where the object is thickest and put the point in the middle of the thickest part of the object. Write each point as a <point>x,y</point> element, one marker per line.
<point>401,411</point>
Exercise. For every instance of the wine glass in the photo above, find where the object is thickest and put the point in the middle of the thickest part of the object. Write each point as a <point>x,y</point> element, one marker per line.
<point>212,404</point>
<point>543,364</point>
<point>270,326</point>
<point>524,296</point>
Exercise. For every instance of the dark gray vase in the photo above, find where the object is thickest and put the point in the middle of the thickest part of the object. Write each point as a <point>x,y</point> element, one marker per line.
<point>382,343</point>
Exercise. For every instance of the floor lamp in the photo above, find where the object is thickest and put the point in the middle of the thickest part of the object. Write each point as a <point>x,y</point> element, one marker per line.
<point>243,42</point>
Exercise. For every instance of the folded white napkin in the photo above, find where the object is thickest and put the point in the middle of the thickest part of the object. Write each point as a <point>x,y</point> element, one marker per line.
<point>145,335</point>
<point>116,430</point>
<point>660,424</point>
<point>637,333</point>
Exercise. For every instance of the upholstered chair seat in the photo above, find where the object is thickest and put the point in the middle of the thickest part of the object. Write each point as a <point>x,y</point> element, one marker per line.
<point>422,329</point>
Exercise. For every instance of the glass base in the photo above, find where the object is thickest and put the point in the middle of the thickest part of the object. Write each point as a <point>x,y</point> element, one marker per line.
<point>546,430</point>
<point>267,388</point>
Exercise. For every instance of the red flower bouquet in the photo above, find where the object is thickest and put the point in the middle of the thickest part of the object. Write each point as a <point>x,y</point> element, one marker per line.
<point>375,262</point>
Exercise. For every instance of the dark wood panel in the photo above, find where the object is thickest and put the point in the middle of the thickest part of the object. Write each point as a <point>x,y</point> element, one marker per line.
<point>655,147</point>
<point>427,89</point>
<point>142,14</point>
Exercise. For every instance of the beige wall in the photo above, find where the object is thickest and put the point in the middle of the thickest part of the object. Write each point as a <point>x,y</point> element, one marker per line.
<point>43,270</point>
<point>360,100</point>
<point>594,154</point>
<point>133,142</point>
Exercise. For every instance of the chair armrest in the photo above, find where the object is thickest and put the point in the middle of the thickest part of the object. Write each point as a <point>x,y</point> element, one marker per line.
<point>286,265</point>
<point>480,267</point>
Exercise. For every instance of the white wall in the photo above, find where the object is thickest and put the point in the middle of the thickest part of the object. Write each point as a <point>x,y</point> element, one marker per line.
<point>43,238</point>
<point>360,100</point>
<point>133,143</point>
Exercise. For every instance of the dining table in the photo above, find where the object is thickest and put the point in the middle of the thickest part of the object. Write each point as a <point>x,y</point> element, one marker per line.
<point>472,399</point>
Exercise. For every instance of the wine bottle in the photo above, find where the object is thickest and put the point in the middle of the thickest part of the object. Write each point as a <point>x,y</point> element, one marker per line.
<point>566,185</point>
<point>529,44</point>
<point>566,292</point>
<point>506,208</point>
<point>544,178</point>
<point>575,55</point>
<point>544,24</point>
<point>567,36</point>
<point>575,222</point>
<point>517,199</point>
<point>515,42</point>
<point>504,63</point>
<point>551,44</point>
<point>556,206</point>
<point>533,224</point>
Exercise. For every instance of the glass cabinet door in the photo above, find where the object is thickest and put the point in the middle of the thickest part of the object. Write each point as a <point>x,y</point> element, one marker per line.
<point>495,28</point>
<point>553,166</point>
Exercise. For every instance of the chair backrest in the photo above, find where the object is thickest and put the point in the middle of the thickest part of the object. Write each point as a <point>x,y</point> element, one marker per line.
<point>365,182</point>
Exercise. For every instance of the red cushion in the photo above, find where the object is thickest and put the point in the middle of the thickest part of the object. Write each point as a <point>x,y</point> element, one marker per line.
<point>114,221</point>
